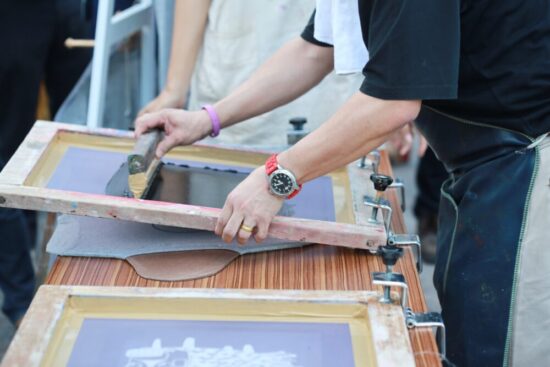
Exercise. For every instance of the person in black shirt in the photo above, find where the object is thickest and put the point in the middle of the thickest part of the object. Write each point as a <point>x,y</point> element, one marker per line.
<point>475,75</point>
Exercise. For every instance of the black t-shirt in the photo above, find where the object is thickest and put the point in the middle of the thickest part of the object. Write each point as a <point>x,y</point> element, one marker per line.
<point>487,61</point>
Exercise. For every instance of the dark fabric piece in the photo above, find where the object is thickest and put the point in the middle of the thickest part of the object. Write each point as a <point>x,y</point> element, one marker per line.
<point>17,280</point>
<point>504,65</point>
<point>32,33</point>
<point>64,66</point>
<point>413,48</point>
<point>25,34</point>
<point>480,219</point>
<point>430,175</point>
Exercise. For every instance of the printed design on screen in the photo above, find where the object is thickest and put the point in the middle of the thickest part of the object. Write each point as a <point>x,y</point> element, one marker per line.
<point>190,355</point>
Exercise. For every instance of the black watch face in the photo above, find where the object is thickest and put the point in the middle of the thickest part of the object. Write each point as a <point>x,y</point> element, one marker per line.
<point>282,184</point>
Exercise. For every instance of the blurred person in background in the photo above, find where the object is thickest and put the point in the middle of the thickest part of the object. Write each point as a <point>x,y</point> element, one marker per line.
<point>217,45</point>
<point>32,34</point>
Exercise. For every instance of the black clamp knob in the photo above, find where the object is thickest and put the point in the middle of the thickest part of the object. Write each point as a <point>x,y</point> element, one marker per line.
<point>390,254</point>
<point>381,182</point>
<point>298,123</point>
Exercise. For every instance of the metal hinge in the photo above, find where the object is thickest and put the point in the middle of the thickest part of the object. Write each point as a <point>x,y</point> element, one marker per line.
<point>399,185</point>
<point>374,161</point>
<point>384,206</point>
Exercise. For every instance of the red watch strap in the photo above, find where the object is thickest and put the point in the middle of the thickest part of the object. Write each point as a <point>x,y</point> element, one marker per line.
<point>271,164</point>
<point>295,192</point>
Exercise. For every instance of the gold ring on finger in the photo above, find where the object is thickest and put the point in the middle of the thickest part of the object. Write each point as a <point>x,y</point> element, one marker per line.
<point>246,228</point>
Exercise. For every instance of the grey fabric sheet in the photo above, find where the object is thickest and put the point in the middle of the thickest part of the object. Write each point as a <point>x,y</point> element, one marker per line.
<point>98,237</point>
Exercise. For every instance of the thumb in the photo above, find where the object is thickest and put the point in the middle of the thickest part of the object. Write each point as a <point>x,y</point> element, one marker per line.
<point>166,144</point>
<point>406,144</point>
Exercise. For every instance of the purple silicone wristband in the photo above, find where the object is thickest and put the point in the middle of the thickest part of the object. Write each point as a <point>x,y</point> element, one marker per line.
<point>216,125</point>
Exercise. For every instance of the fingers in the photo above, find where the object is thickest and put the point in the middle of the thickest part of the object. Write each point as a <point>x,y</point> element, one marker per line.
<point>261,232</point>
<point>232,227</point>
<point>246,230</point>
<point>235,224</point>
<point>223,218</point>
<point>248,210</point>
<point>406,144</point>
<point>150,121</point>
<point>231,223</point>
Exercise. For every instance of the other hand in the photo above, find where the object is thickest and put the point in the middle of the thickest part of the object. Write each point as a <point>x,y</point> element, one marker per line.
<point>166,99</point>
<point>402,140</point>
<point>249,204</point>
<point>180,127</point>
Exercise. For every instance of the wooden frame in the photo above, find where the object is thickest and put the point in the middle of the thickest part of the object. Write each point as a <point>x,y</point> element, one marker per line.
<point>40,328</point>
<point>17,191</point>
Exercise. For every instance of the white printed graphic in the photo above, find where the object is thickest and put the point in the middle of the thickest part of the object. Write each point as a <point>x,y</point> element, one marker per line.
<point>188,355</point>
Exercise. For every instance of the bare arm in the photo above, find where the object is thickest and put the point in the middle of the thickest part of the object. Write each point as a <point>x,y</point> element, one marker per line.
<point>293,70</point>
<point>362,124</point>
<point>359,126</point>
<point>187,37</point>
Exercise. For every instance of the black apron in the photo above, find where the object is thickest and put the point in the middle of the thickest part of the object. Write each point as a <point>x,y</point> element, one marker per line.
<point>481,221</point>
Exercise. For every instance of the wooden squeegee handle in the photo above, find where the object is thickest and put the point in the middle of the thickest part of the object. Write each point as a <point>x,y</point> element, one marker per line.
<point>144,151</point>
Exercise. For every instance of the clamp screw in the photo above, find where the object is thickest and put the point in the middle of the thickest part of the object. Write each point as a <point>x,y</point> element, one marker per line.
<point>298,132</point>
<point>381,183</point>
<point>298,123</point>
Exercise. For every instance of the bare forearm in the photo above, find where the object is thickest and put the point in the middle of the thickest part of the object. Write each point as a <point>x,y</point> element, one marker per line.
<point>293,70</point>
<point>359,126</point>
<point>187,37</point>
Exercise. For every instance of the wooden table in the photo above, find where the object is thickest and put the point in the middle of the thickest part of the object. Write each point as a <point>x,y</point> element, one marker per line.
<point>313,267</point>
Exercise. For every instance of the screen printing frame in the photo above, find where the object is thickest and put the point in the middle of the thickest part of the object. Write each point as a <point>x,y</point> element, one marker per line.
<point>57,312</point>
<point>22,186</point>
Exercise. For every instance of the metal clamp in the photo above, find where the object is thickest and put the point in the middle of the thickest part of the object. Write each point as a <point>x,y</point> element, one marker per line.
<point>382,205</point>
<point>399,185</point>
<point>374,160</point>
<point>388,280</point>
<point>363,162</point>
<point>431,320</point>
<point>412,240</point>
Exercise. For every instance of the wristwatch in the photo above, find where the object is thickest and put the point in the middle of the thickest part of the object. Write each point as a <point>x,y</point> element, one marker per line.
<point>282,182</point>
